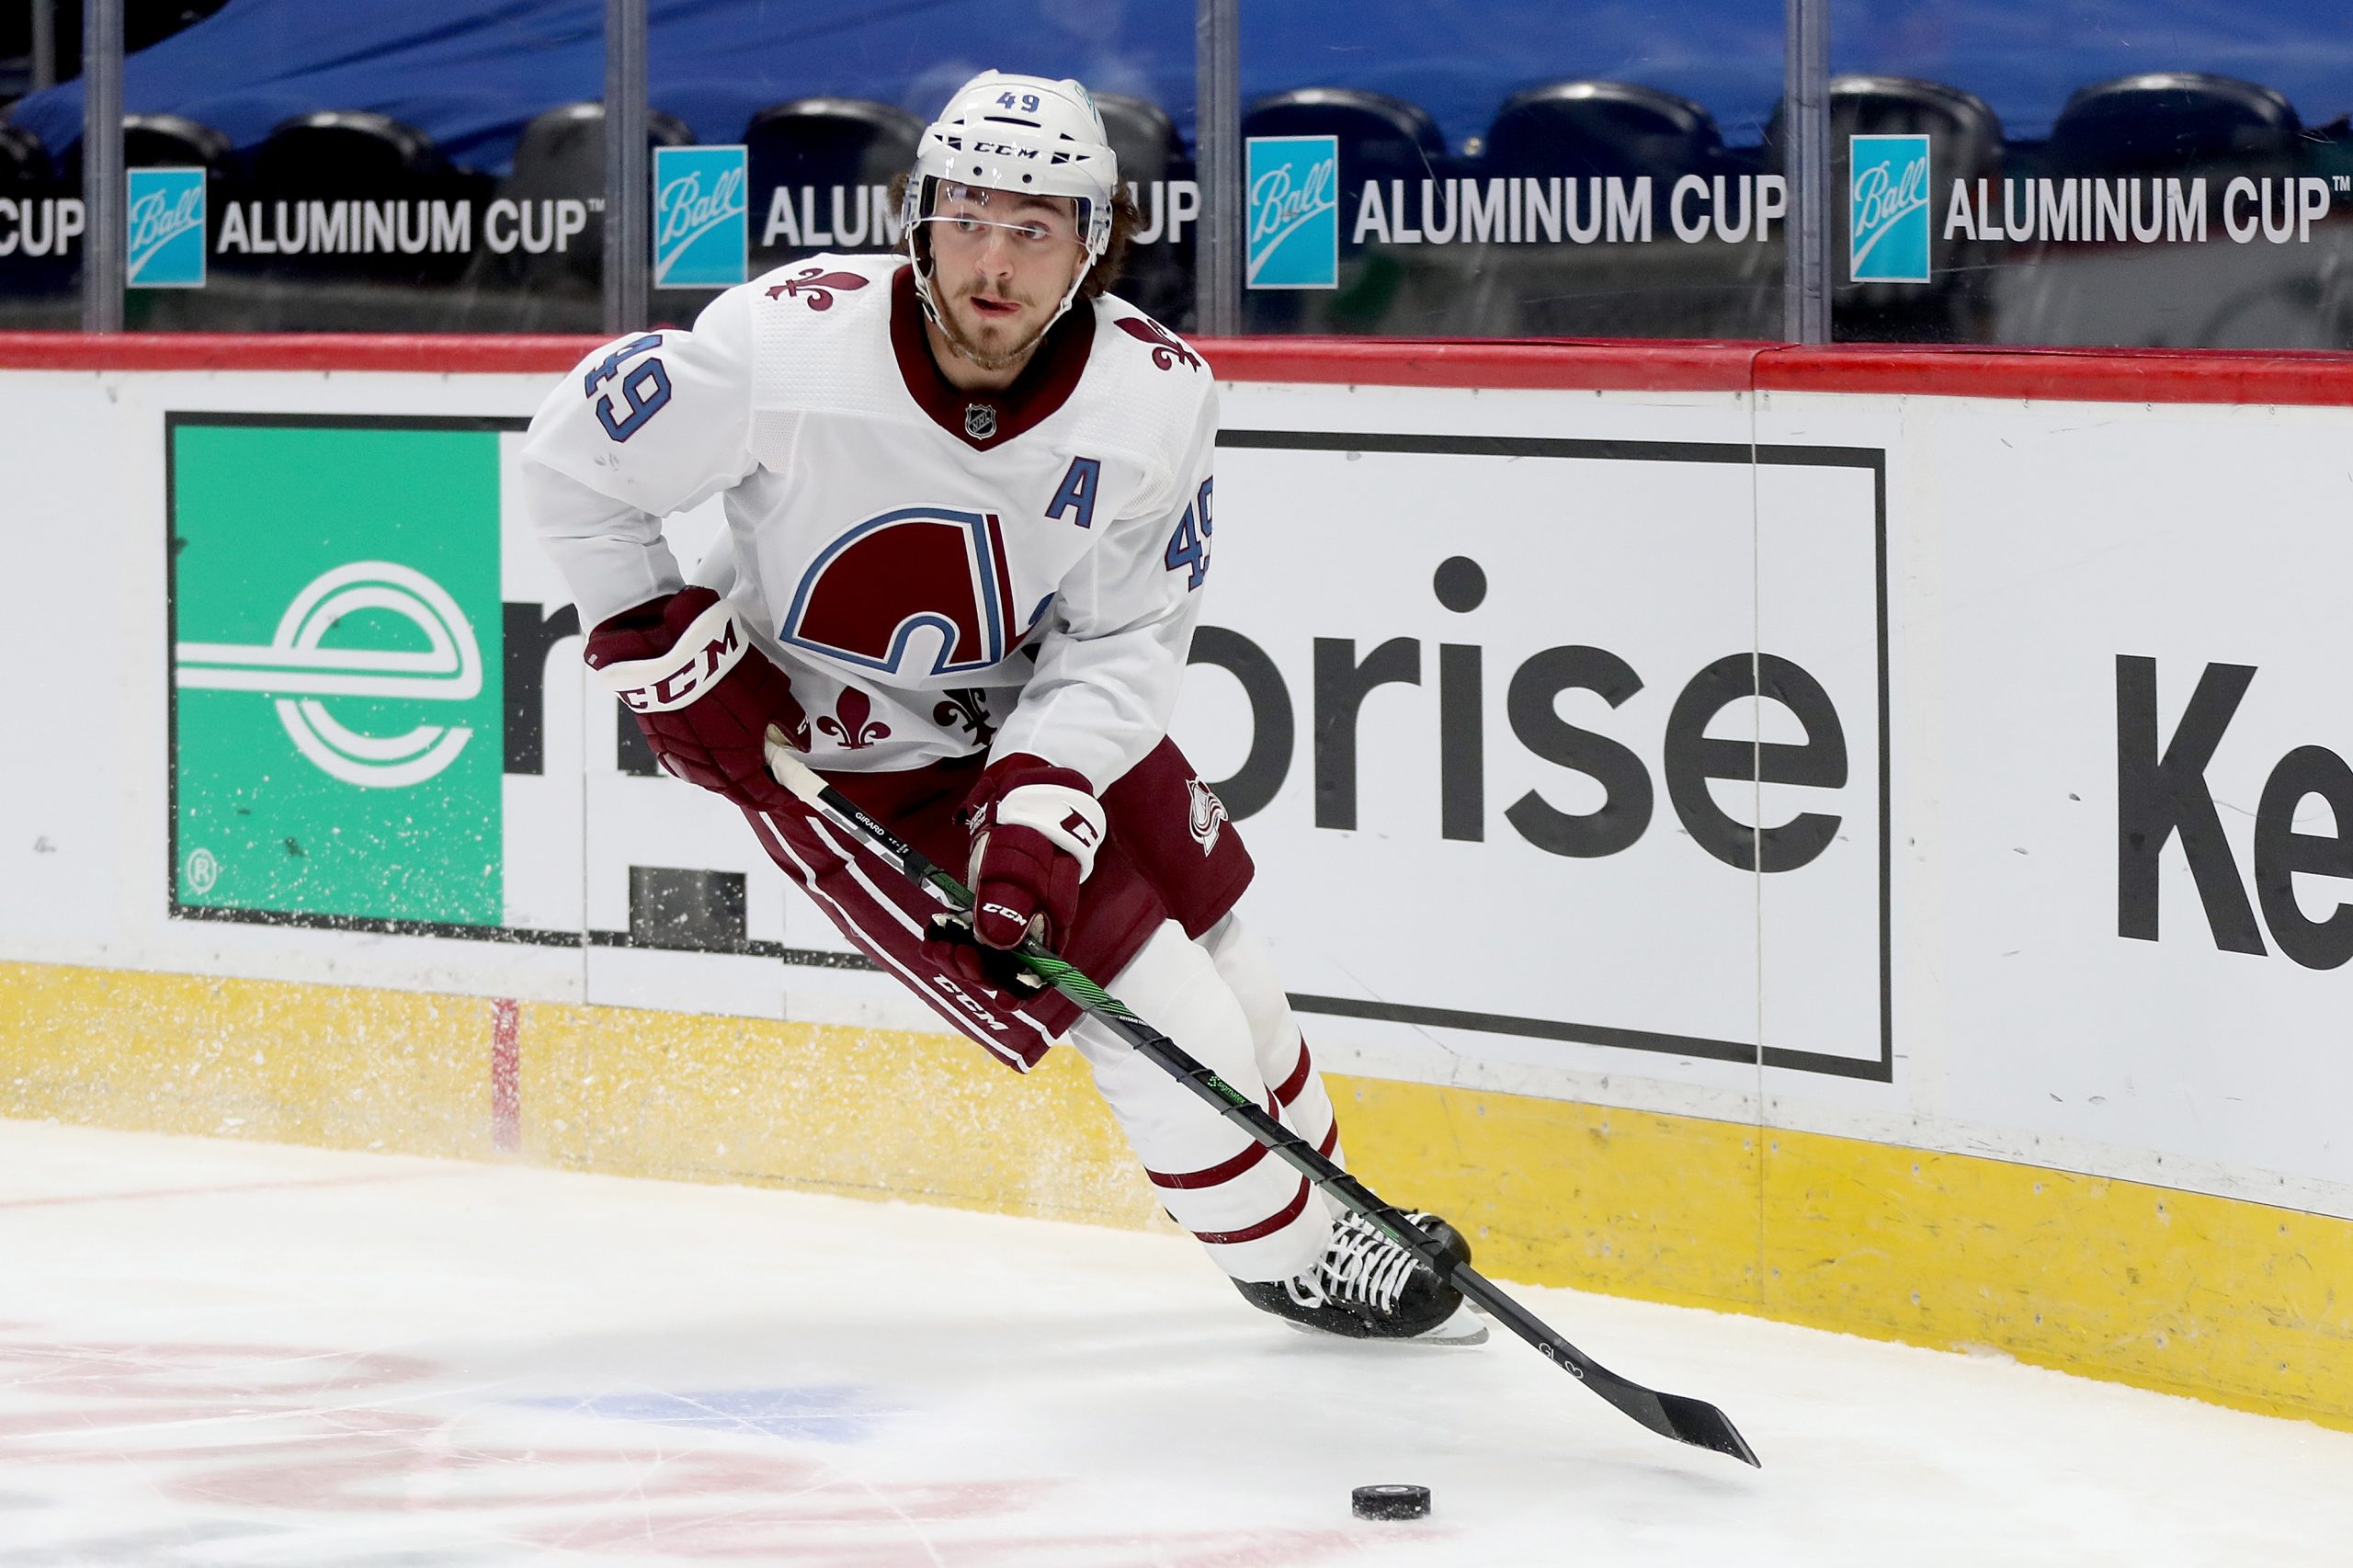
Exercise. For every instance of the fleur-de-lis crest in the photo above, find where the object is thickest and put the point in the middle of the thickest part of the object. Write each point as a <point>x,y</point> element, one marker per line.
<point>818,286</point>
<point>1166,349</point>
<point>850,723</point>
<point>966,709</point>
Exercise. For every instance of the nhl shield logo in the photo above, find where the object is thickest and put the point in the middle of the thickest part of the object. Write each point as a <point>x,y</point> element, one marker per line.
<point>1208,815</point>
<point>979,420</point>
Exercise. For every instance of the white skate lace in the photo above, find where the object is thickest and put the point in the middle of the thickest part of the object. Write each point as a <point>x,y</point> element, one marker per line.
<point>1359,1264</point>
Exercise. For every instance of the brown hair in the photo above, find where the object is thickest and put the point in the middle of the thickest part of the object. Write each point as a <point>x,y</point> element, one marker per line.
<point>1125,220</point>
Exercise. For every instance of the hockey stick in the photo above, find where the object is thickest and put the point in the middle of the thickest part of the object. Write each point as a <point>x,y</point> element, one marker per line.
<point>1685,1419</point>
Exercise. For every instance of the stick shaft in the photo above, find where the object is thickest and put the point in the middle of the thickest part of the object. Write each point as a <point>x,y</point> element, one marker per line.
<point>1673,1416</point>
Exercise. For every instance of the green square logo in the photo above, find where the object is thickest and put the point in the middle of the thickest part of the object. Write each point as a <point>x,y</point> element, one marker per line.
<point>336,670</point>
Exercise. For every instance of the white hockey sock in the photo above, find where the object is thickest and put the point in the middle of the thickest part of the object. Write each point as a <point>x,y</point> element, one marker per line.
<point>1249,971</point>
<point>1259,1219</point>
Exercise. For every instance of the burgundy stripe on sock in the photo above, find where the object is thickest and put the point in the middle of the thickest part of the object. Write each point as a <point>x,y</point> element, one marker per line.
<point>1223,1171</point>
<point>1288,1089</point>
<point>1331,1141</point>
<point>1266,1227</point>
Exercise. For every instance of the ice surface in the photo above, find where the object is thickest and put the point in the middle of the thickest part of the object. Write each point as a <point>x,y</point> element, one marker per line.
<point>219,1355</point>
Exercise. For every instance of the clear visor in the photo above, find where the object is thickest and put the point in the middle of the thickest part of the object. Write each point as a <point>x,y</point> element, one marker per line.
<point>968,211</point>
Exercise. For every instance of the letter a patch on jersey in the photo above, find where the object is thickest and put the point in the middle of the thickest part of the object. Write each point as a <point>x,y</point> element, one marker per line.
<point>926,573</point>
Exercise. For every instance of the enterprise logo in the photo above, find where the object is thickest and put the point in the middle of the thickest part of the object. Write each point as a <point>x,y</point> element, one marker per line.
<point>296,670</point>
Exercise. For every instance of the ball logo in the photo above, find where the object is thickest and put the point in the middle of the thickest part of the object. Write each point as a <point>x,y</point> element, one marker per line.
<point>1295,217</point>
<point>164,235</point>
<point>299,672</point>
<point>701,217</point>
<point>1888,210</point>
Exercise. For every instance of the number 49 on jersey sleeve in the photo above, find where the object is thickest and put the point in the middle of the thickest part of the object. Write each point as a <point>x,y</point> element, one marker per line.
<point>645,391</point>
<point>1190,545</point>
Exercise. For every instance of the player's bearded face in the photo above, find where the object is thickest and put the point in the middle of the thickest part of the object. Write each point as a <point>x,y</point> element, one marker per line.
<point>1002,263</point>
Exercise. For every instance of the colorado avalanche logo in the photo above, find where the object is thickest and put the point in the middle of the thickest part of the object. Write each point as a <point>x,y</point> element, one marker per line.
<point>818,285</point>
<point>1165,350</point>
<point>1207,816</point>
<point>925,573</point>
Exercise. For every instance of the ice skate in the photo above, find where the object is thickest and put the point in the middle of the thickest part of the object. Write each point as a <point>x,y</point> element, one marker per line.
<point>1368,1287</point>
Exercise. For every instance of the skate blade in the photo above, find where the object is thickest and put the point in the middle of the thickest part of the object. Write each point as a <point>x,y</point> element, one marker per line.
<point>1467,1326</point>
<point>1454,1331</point>
<point>1451,1332</point>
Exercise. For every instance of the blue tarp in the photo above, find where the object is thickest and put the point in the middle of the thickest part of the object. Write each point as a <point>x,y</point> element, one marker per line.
<point>472,73</point>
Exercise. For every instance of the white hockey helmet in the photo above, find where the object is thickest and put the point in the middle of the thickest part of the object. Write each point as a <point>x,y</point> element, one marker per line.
<point>1020,133</point>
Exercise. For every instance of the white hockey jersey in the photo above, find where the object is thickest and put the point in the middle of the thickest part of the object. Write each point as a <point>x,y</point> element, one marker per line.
<point>939,572</point>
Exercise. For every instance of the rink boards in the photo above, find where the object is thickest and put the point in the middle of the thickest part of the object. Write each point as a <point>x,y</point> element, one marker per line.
<point>1974,984</point>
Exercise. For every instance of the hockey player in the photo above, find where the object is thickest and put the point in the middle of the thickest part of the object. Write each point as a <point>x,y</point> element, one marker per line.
<point>969,516</point>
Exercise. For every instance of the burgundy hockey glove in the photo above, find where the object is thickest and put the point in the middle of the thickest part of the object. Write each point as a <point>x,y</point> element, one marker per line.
<point>1035,830</point>
<point>702,693</point>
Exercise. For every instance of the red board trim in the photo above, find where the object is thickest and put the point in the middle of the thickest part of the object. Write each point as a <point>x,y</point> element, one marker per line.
<point>2151,375</point>
<point>1484,362</point>
<point>436,353</point>
<point>2127,375</point>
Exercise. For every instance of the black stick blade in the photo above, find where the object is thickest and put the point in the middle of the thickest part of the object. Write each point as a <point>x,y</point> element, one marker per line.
<point>1685,1419</point>
<point>1697,1422</point>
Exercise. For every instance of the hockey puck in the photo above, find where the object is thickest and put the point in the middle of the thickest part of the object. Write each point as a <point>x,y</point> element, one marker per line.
<point>1390,1502</point>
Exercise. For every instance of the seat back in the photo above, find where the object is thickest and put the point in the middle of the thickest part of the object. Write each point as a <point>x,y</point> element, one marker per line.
<point>1379,136</point>
<point>819,170</point>
<point>38,289</point>
<point>1965,144</point>
<point>1157,276</point>
<point>2174,122</point>
<point>559,158</point>
<point>1142,136</point>
<point>173,141</point>
<point>1379,139</point>
<point>335,165</point>
<point>1601,128</point>
<point>23,160</point>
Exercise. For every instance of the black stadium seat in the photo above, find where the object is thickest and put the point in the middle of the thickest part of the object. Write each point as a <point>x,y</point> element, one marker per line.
<point>172,140</point>
<point>2174,122</point>
<point>1963,123</point>
<point>1380,138</point>
<point>1142,135</point>
<point>23,160</point>
<point>1158,277</point>
<point>820,146</point>
<point>1966,143</point>
<point>349,151</point>
<point>355,156</point>
<point>1601,128</point>
<point>28,175</point>
<point>561,156</point>
<point>1968,134</point>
